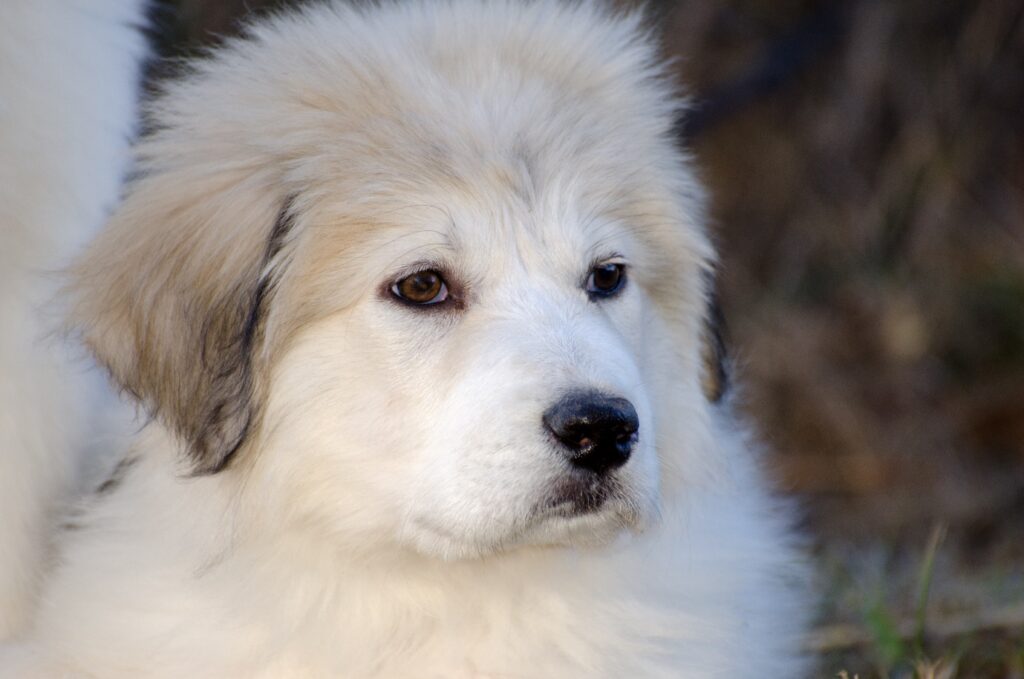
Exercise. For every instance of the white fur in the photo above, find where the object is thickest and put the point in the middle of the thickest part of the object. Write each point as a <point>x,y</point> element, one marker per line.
<point>382,517</point>
<point>68,81</point>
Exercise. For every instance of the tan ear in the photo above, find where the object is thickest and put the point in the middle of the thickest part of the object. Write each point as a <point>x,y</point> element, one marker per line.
<point>171,299</point>
<point>714,354</point>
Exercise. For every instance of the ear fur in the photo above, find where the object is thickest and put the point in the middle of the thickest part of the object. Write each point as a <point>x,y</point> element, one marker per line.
<point>172,296</point>
<point>714,354</point>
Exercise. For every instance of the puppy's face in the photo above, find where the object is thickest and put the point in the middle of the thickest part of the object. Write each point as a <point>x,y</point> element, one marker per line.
<point>488,382</point>
<point>459,320</point>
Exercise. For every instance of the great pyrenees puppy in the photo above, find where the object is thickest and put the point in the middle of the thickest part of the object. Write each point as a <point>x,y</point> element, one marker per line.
<point>416,296</point>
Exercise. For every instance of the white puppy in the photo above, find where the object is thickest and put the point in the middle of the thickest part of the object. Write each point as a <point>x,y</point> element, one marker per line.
<point>68,81</point>
<point>417,296</point>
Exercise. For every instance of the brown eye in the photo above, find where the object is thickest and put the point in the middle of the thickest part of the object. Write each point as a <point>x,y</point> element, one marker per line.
<point>423,287</point>
<point>606,279</point>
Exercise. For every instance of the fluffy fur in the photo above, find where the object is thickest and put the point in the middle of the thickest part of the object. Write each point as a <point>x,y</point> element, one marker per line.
<point>68,80</point>
<point>337,484</point>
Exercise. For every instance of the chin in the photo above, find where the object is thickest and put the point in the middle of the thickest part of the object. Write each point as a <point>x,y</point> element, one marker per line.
<point>590,528</point>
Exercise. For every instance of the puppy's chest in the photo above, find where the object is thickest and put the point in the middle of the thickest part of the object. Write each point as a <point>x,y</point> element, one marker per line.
<point>540,635</point>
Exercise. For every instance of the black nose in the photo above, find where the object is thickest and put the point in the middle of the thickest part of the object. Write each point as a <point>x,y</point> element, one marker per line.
<point>598,431</point>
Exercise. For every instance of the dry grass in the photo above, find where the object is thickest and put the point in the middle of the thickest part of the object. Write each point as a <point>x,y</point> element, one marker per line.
<point>886,615</point>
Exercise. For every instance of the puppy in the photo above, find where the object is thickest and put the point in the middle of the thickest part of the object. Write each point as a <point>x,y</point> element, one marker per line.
<point>416,296</point>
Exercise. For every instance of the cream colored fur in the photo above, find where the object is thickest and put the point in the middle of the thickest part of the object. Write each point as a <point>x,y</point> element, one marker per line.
<point>339,485</point>
<point>69,72</point>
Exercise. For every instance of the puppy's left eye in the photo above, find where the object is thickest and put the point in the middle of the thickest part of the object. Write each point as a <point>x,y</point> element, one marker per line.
<point>606,279</point>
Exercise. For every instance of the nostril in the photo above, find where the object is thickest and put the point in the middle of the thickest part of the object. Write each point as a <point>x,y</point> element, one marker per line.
<point>597,431</point>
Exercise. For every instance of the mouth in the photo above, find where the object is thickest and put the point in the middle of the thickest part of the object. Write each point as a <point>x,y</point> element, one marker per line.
<point>579,495</point>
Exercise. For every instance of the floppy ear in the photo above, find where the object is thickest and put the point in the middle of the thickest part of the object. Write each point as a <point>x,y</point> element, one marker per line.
<point>172,296</point>
<point>714,355</point>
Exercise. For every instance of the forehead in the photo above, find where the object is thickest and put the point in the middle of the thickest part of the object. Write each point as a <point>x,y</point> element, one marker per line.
<point>515,134</point>
<point>481,193</point>
<point>490,208</point>
<point>554,113</point>
<point>476,180</point>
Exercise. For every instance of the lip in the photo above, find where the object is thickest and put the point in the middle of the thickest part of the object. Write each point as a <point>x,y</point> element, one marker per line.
<point>578,496</point>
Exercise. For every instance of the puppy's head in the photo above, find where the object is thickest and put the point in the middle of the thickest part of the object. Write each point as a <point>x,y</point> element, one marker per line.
<point>431,275</point>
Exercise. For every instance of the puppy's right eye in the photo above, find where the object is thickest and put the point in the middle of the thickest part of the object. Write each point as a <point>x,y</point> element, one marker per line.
<point>422,288</point>
<point>606,279</point>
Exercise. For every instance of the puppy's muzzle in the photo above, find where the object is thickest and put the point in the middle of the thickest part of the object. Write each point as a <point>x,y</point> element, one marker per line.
<point>597,432</point>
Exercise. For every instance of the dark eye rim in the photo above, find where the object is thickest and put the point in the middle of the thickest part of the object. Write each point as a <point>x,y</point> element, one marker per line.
<point>391,290</point>
<point>597,293</point>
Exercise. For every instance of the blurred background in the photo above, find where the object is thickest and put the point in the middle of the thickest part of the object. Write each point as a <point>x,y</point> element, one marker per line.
<point>866,166</point>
